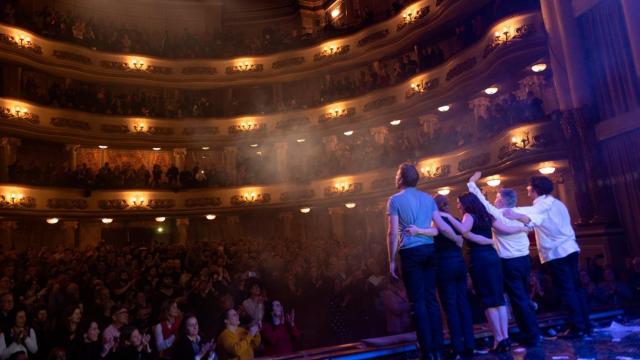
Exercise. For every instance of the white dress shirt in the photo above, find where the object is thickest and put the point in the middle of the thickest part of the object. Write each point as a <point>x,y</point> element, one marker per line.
<point>554,234</point>
<point>508,246</point>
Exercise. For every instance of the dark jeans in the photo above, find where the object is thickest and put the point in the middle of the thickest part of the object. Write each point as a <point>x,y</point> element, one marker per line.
<point>566,276</point>
<point>452,286</point>
<point>516,272</point>
<point>419,274</point>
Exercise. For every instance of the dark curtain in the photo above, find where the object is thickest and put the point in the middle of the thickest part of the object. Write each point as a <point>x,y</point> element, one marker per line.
<point>609,60</point>
<point>622,154</point>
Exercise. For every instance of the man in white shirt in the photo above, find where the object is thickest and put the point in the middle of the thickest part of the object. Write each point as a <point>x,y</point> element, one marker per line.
<point>557,247</point>
<point>513,250</point>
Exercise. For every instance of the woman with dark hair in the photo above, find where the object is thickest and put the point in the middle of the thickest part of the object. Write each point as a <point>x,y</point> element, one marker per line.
<point>134,345</point>
<point>67,327</point>
<point>279,330</point>
<point>166,331</point>
<point>19,337</point>
<point>484,264</point>
<point>87,346</point>
<point>189,345</point>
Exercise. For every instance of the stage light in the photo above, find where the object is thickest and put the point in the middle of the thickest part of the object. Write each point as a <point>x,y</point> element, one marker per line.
<point>395,122</point>
<point>305,210</point>
<point>350,205</point>
<point>348,133</point>
<point>547,170</point>
<point>161,219</point>
<point>103,147</point>
<point>210,217</point>
<point>52,221</point>
<point>491,90</point>
<point>539,67</point>
<point>107,220</point>
<point>444,108</point>
<point>444,191</point>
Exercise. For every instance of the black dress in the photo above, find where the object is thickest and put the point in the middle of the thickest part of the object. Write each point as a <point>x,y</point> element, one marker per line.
<point>485,268</point>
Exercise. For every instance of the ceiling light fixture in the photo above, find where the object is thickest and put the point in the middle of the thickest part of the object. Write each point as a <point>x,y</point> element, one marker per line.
<point>547,170</point>
<point>539,67</point>
<point>210,217</point>
<point>491,90</point>
<point>395,122</point>
<point>107,220</point>
<point>348,133</point>
<point>161,219</point>
<point>52,221</point>
<point>444,191</point>
<point>350,205</point>
<point>305,210</point>
<point>444,108</point>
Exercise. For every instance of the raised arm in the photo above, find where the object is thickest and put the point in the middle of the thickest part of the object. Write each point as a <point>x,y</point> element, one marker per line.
<point>474,189</point>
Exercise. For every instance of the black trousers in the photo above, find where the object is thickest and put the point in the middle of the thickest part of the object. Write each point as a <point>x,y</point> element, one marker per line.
<point>566,277</point>
<point>452,286</point>
<point>516,273</point>
<point>419,274</point>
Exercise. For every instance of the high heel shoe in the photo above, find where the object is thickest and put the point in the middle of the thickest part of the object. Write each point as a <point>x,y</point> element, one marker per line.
<point>502,347</point>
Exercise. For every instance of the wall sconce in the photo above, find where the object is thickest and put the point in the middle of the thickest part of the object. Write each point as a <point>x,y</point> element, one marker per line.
<point>249,197</point>
<point>336,113</point>
<point>137,64</point>
<point>15,198</point>
<point>444,191</point>
<point>412,15</point>
<point>350,205</point>
<point>139,128</point>
<point>52,221</point>
<point>342,188</point>
<point>20,112</point>
<point>431,172</point>
<point>330,51</point>
<point>244,67</point>
<point>521,143</point>
<point>24,41</point>
<point>137,201</point>
<point>506,32</point>
<point>246,127</point>
<point>494,181</point>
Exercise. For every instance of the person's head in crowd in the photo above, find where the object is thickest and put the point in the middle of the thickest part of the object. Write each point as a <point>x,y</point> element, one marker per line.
<point>130,337</point>
<point>166,281</point>
<point>274,312</point>
<point>120,316</point>
<point>506,198</point>
<point>539,186</point>
<point>469,203</point>
<point>102,295</point>
<point>255,288</point>
<point>57,353</point>
<point>231,318</point>
<point>19,318</point>
<point>407,176</point>
<point>169,310</point>
<point>442,203</point>
<point>73,316</point>
<point>41,315</point>
<point>90,331</point>
<point>6,302</point>
<point>189,326</point>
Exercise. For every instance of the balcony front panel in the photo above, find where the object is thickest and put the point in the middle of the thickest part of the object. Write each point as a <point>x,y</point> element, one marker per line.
<point>472,70</point>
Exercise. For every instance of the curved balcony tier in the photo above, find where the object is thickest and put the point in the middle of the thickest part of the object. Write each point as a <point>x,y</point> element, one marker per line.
<point>461,77</point>
<point>499,155</point>
<point>21,46</point>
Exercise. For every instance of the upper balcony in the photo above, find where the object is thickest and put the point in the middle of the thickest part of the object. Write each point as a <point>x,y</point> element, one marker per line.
<point>376,41</point>
<point>510,46</point>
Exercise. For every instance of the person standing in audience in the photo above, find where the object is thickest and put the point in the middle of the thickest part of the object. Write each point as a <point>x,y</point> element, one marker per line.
<point>513,250</point>
<point>166,331</point>
<point>19,337</point>
<point>189,345</point>
<point>409,207</point>
<point>236,343</point>
<point>134,345</point>
<point>452,285</point>
<point>484,264</point>
<point>87,347</point>
<point>557,247</point>
<point>279,332</point>
<point>111,335</point>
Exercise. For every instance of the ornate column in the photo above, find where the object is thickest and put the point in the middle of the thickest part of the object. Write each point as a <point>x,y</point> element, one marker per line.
<point>230,155</point>
<point>9,147</point>
<point>631,9</point>
<point>6,234</point>
<point>281,159</point>
<point>380,134</point>
<point>72,153</point>
<point>179,157</point>
<point>68,231</point>
<point>182,231</point>
<point>90,234</point>
<point>480,107</point>
<point>429,123</point>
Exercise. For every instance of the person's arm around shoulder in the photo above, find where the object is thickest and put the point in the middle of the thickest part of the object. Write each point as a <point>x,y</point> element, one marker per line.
<point>509,229</point>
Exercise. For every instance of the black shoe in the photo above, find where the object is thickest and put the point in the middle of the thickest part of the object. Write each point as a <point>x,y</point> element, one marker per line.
<point>502,347</point>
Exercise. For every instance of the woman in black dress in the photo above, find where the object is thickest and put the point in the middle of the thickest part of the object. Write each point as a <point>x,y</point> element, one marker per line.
<point>484,264</point>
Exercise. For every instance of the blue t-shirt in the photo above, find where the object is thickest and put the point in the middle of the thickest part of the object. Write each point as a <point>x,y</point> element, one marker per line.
<point>413,207</point>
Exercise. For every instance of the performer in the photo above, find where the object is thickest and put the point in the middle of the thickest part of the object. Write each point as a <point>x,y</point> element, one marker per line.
<point>557,247</point>
<point>513,250</point>
<point>452,286</point>
<point>484,264</point>
<point>409,207</point>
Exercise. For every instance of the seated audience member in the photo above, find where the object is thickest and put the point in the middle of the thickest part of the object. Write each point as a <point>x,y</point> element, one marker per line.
<point>236,343</point>
<point>189,345</point>
<point>279,332</point>
<point>18,338</point>
<point>133,345</point>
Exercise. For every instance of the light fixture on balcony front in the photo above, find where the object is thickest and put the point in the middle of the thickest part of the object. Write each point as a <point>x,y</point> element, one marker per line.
<point>137,201</point>
<point>494,181</point>
<point>107,220</point>
<point>547,170</point>
<point>491,90</point>
<point>395,122</point>
<point>210,217</point>
<point>205,148</point>
<point>52,220</point>
<point>161,219</point>
<point>305,210</point>
<point>156,148</point>
<point>137,64</point>
<point>539,67</point>
<point>139,128</point>
<point>348,133</point>
<point>103,147</point>
<point>335,12</point>
<point>254,145</point>
<point>444,191</point>
<point>350,205</point>
<point>444,108</point>
<point>301,140</point>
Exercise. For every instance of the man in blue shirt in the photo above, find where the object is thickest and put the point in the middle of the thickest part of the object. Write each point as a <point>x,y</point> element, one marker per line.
<point>409,207</point>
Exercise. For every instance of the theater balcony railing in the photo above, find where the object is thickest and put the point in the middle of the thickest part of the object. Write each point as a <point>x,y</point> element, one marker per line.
<point>500,154</point>
<point>21,46</point>
<point>461,77</point>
